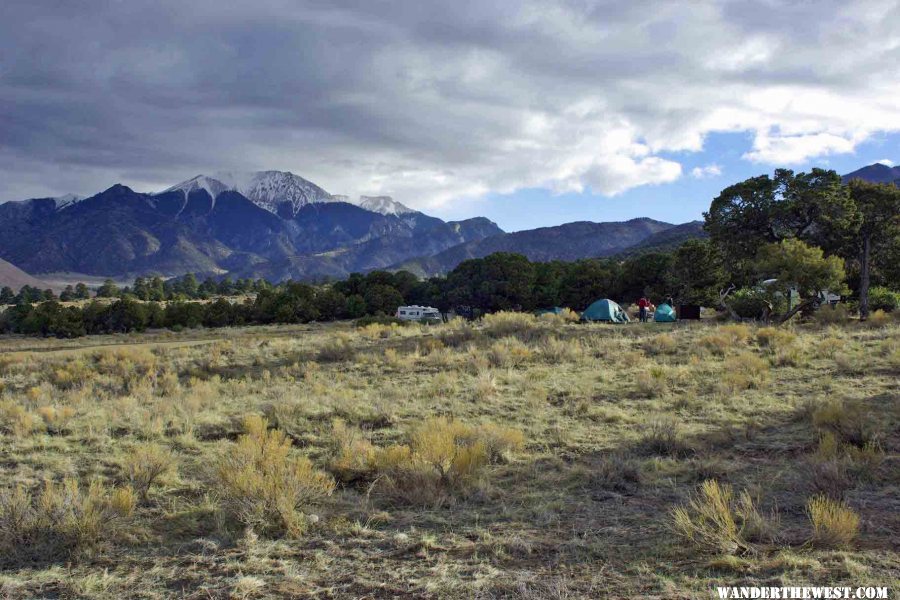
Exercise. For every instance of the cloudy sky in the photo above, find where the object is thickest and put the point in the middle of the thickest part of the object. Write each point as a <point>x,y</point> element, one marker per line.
<point>531,113</point>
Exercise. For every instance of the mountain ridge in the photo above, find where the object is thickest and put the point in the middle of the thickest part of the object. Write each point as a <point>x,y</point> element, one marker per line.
<point>292,228</point>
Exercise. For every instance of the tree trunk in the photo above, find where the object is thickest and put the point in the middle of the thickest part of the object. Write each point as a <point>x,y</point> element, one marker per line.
<point>864,260</point>
<point>802,306</point>
<point>724,294</point>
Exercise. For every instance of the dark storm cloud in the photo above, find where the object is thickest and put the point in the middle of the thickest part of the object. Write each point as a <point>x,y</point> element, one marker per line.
<point>429,100</point>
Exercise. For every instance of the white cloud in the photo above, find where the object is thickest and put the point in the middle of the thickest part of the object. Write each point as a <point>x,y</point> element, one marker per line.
<point>886,161</point>
<point>711,170</point>
<point>434,101</point>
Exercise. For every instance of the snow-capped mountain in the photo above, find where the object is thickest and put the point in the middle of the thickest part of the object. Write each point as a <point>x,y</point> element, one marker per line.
<point>282,192</point>
<point>384,205</point>
<point>67,200</point>
<point>278,192</point>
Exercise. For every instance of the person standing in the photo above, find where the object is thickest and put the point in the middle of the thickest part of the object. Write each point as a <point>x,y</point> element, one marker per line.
<point>643,305</point>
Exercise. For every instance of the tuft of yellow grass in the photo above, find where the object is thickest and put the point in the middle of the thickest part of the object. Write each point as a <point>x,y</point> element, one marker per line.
<point>715,521</point>
<point>835,525</point>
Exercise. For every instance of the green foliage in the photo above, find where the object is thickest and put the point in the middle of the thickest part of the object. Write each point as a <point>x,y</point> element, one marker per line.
<point>796,265</point>
<point>879,208</point>
<point>881,298</point>
<point>813,207</point>
<point>752,303</point>
<point>501,281</point>
<point>697,273</point>
<point>382,299</point>
<point>109,289</point>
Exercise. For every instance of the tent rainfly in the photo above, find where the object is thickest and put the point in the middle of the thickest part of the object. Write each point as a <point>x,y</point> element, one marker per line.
<point>665,314</point>
<point>605,310</point>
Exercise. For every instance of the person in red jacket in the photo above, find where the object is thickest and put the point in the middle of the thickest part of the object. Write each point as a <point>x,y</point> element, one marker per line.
<point>643,305</point>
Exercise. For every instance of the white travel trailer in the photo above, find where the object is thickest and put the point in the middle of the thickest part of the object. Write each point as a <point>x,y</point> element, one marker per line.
<point>418,313</point>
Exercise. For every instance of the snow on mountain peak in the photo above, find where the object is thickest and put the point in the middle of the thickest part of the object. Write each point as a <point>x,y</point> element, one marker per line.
<point>67,200</point>
<point>384,205</point>
<point>213,186</point>
<point>266,189</point>
<point>271,189</point>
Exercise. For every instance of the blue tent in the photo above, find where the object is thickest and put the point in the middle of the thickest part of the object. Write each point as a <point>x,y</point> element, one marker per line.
<point>665,314</point>
<point>604,310</point>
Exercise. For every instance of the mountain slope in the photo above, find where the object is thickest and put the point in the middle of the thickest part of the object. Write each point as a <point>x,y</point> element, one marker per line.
<point>202,226</point>
<point>876,173</point>
<point>667,239</point>
<point>571,241</point>
<point>377,252</point>
<point>120,231</point>
<point>14,277</point>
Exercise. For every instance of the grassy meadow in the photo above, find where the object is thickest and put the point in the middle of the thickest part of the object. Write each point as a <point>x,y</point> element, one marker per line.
<point>517,457</point>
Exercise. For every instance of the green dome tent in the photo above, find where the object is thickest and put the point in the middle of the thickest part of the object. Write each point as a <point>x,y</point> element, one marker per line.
<point>665,314</point>
<point>604,310</point>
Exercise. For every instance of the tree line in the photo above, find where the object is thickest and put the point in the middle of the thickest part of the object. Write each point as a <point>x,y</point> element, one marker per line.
<point>156,289</point>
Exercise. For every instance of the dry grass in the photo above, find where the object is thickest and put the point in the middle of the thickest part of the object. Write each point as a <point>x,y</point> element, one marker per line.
<point>715,521</point>
<point>263,486</point>
<point>835,525</point>
<point>63,520</point>
<point>503,458</point>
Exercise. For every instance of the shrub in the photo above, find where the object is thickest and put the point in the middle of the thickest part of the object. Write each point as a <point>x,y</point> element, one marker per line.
<point>144,465</point>
<point>743,372</point>
<point>566,315</point>
<point>336,350</point>
<point>714,521</point>
<point>443,458</point>
<point>774,338</point>
<point>652,383</point>
<point>556,351</point>
<point>453,449</point>
<point>879,318</point>
<point>502,324</point>
<point>616,473</point>
<point>828,314</point>
<point>55,419</point>
<point>661,344</point>
<point>508,352</point>
<point>848,420</point>
<point>63,521</point>
<point>15,420</point>
<point>501,443</point>
<point>882,298</point>
<point>835,525</point>
<point>750,303</point>
<point>379,320</point>
<point>663,437</point>
<point>263,486</point>
<point>830,346</point>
